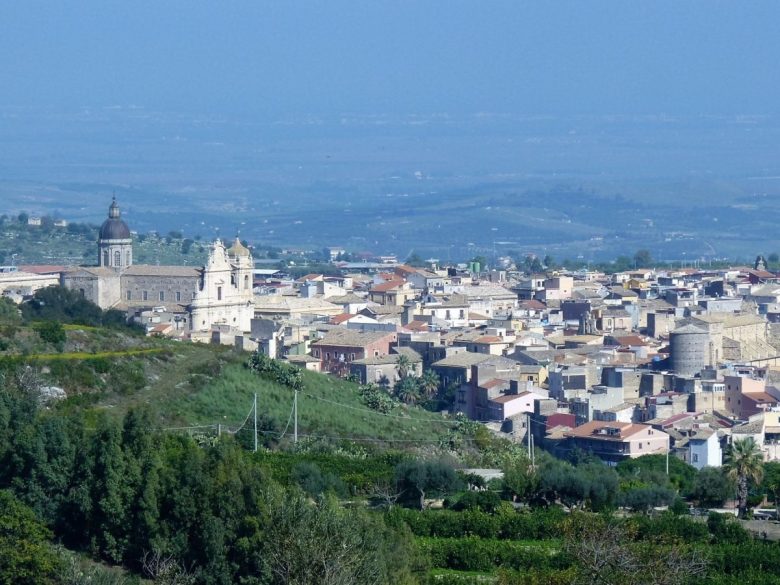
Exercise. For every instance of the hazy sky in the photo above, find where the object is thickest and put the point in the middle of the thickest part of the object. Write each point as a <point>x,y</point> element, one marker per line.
<point>266,57</point>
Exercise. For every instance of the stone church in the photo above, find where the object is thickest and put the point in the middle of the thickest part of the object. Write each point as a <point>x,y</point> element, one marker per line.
<point>218,294</point>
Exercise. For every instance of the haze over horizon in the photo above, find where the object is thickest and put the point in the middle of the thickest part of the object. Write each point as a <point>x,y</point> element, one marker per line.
<point>256,59</point>
<point>570,127</point>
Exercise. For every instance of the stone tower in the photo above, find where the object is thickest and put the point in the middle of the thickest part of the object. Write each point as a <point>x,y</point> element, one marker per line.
<point>115,244</point>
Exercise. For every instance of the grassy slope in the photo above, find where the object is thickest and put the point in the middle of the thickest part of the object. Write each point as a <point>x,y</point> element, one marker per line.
<point>189,384</point>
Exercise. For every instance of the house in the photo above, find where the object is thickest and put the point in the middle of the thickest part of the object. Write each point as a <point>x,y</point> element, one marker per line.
<point>508,405</point>
<point>305,362</point>
<point>746,397</point>
<point>704,448</point>
<point>456,368</point>
<point>616,441</point>
<point>383,370</point>
<point>392,292</point>
<point>340,347</point>
<point>557,288</point>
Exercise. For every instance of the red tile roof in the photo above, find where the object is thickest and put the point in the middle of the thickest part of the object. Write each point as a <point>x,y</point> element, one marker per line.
<point>339,319</point>
<point>592,430</point>
<point>387,286</point>
<point>417,326</point>
<point>41,268</point>
<point>489,339</point>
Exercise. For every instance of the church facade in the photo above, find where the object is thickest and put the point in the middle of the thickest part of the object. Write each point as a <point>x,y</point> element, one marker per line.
<point>218,294</point>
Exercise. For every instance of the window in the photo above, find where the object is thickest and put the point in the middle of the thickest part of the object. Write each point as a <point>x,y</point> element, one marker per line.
<point>246,282</point>
<point>105,258</point>
<point>462,313</point>
<point>162,295</point>
<point>117,258</point>
<point>127,258</point>
<point>193,295</point>
<point>327,355</point>
<point>178,296</point>
<point>81,290</point>
<point>447,314</point>
<point>129,295</point>
<point>145,295</point>
<point>219,293</point>
<point>695,457</point>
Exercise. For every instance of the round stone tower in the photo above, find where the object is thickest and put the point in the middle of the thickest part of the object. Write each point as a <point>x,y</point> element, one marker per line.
<point>115,244</point>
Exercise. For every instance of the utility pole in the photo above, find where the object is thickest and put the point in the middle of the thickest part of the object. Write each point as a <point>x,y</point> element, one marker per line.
<point>528,432</point>
<point>254,408</point>
<point>667,461</point>
<point>295,425</point>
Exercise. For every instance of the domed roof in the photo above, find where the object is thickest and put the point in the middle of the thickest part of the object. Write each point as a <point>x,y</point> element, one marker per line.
<point>238,249</point>
<point>114,228</point>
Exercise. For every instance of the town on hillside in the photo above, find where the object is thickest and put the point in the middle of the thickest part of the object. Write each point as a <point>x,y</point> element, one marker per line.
<point>681,362</point>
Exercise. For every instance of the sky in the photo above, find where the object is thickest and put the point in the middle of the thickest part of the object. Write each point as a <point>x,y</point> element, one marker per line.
<point>273,57</point>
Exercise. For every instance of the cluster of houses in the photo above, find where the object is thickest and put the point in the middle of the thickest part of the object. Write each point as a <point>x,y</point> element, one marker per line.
<point>623,365</point>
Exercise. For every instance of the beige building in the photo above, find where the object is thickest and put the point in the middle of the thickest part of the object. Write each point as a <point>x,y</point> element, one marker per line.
<point>219,294</point>
<point>614,441</point>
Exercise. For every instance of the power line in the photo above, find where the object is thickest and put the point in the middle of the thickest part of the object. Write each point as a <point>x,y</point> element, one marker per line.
<point>287,426</point>
<point>376,412</point>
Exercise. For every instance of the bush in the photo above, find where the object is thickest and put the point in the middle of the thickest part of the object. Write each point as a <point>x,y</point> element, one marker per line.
<point>25,553</point>
<point>726,530</point>
<point>311,480</point>
<point>52,332</point>
<point>481,554</point>
<point>485,501</point>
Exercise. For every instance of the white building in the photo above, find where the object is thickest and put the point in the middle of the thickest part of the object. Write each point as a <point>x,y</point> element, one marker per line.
<point>225,296</point>
<point>704,449</point>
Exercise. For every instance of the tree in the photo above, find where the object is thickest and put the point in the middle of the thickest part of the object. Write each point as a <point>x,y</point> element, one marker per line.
<point>415,260</point>
<point>651,469</point>
<point>642,259</point>
<point>605,555</point>
<point>407,390</point>
<point>711,487</point>
<point>643,498</point>
<point>26,557</point>
<point>415,479</point>
<point>404,365</point>
<point>326,544</point>
<point>744,465</point>
<point>429,384</point>
<point>771,481</point>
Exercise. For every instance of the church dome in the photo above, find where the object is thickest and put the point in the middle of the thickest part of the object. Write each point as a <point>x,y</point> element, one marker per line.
<point>114,228</point>
<point>238,250</point>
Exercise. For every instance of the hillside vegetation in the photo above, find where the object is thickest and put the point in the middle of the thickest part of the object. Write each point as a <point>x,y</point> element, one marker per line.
<point>115,369</point>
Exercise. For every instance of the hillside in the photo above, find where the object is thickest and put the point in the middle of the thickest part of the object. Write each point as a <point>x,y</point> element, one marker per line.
<point>75,244</point>
<point>186,385</point>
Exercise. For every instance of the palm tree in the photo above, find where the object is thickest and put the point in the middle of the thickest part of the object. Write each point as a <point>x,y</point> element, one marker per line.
<point>744,464</point>
<point>404,365</point>
<point>429,384</point>
<point>407,390</point>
